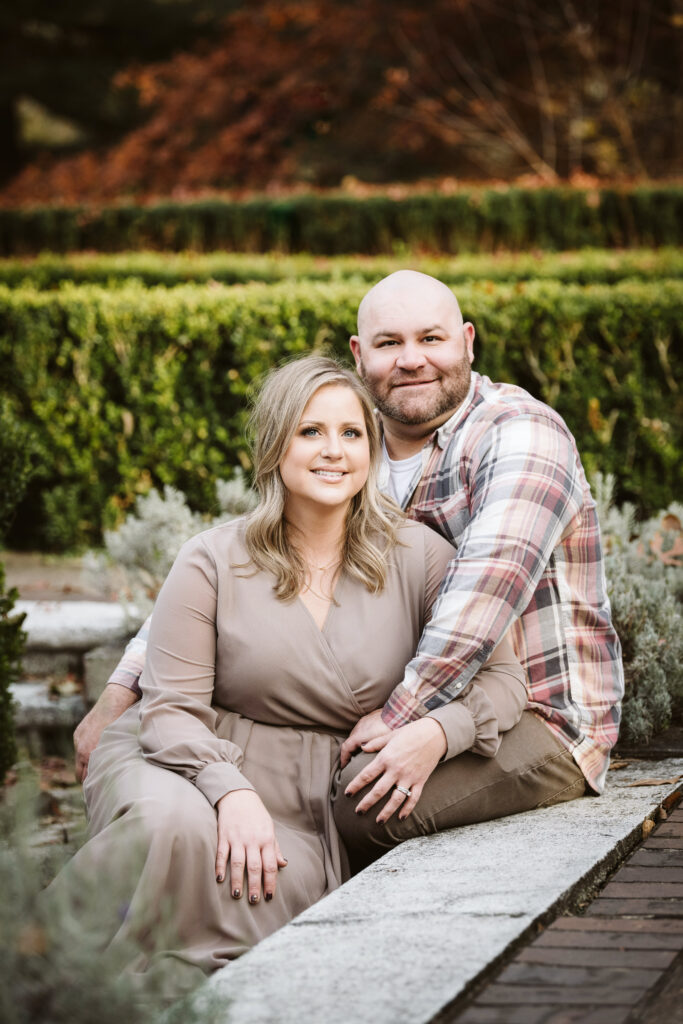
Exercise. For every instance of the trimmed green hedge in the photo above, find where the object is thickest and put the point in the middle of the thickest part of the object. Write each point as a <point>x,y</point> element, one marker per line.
<point>132,387</point>
<point>481,220</point>
<point>587,266</point>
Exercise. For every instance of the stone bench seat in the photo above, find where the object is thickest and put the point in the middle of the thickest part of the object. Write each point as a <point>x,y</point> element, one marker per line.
<point>403,939</point>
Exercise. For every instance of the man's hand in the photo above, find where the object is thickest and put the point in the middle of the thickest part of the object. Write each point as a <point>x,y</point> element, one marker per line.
<point>113,701</point>
<point>406,758</point>
<point>369,727</point>
<point>246,837</point>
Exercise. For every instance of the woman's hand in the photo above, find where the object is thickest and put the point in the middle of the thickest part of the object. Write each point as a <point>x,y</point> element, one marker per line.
<point>406,758</point>
<point>246,837</point>
<point>369,727</point>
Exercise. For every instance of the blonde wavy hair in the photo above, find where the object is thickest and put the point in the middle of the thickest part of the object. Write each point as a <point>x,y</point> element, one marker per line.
<point>372,521</point>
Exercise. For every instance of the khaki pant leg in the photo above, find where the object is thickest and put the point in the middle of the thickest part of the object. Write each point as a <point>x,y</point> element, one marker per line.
<point>531,769</point>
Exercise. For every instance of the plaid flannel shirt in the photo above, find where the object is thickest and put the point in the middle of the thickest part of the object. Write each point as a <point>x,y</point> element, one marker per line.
<point>503,481</point>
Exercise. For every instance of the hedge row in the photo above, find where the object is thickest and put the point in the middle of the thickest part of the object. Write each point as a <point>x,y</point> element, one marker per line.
<point>482,220</point>
<point>588,266</point>
<point>135,387</point>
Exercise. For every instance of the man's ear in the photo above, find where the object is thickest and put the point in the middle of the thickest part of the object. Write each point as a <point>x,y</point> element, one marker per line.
<point>468,334</point>
<point>354,345</point>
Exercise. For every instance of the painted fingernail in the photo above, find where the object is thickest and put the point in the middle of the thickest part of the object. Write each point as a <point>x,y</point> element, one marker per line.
<point>219,878</point>
<point>236,893</point>
<point>253,898</point>
<point>358,811</point>
<point>269,897</point>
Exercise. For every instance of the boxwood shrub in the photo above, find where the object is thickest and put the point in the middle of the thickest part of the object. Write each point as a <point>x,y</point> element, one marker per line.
<point>586,266</point>
<point>480,220</point>
<point>135,387</point>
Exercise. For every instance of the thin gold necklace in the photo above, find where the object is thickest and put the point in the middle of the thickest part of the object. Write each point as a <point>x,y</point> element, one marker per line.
<point>321,597</point>
<point>321,568</point>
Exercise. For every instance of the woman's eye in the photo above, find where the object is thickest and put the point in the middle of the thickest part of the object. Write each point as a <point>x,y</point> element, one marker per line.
<point>352,432</point>
<point>309,432</point>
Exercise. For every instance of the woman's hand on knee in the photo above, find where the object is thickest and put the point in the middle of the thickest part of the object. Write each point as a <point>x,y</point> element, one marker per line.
<point>246,838</point>
<point>406,759</point>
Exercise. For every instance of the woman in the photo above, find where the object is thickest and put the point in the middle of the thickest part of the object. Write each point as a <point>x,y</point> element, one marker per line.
<point>271,637</point>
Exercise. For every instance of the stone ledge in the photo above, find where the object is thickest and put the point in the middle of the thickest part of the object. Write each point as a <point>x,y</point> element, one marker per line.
<point>76,625</point>
<point>410,934</point>
<point>36,709</point>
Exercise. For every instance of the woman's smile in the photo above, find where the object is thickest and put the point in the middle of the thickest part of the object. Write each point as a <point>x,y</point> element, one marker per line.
<point>329,474</point>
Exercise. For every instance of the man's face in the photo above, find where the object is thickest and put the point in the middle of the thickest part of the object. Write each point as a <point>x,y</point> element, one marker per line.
<point>414,355</point>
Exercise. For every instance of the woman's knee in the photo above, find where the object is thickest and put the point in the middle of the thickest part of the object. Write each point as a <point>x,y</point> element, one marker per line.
<point>176,816</point>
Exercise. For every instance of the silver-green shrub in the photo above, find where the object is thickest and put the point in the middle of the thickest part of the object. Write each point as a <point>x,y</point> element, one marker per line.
<point>149,539</point>
<point>644,568</point>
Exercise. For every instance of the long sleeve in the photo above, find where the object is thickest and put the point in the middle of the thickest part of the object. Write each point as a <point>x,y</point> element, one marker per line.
<point>525,492</point>
<point>496,698</point>
<point>129,669</point>
<point>178,724</point>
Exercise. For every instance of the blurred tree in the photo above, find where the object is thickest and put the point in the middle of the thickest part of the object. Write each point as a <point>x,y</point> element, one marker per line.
<point>57,61</point>
<point>553,89</point>
<point>315,90</point>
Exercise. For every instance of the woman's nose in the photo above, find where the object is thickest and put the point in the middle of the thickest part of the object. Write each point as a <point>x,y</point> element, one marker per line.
<point>332,447</point>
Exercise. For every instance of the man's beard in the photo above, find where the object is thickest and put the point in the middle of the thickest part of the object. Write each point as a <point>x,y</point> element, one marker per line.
<point>398,404</point>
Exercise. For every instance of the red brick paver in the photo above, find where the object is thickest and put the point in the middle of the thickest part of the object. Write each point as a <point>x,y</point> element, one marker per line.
<point>607,966</point>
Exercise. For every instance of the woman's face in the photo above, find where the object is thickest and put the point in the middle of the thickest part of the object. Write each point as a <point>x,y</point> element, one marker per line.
<point>328,459</point>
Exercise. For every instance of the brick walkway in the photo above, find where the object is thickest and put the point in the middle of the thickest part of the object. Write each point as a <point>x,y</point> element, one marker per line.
<point>621,962</point>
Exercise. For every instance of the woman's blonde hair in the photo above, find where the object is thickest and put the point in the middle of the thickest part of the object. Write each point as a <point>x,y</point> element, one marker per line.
<point>372,519</point>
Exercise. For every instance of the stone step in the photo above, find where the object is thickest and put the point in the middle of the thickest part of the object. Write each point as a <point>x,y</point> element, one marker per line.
<point>37,707</point>
<point>76,626</point>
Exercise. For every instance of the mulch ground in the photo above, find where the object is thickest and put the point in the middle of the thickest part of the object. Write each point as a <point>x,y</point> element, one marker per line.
<point>620,962</point>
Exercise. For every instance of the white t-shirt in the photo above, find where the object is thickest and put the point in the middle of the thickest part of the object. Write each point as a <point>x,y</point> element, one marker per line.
<point>401,473</point>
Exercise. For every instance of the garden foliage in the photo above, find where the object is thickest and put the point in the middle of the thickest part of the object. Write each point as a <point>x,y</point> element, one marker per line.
<point>16,449</point>
<point>588,266</point>
<point>132,388</point>
<point>57,963</point>
<point>481,220</point>
<point>147,542</point>
<point>644,568</point>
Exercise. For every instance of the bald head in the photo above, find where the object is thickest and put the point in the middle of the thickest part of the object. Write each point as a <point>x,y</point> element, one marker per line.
<point>413,353</point>
<point>407,292</point>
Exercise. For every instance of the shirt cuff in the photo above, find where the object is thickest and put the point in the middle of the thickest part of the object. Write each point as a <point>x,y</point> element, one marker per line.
<point>469,723</point>
<point>219,778</point>
<point>122,678</point>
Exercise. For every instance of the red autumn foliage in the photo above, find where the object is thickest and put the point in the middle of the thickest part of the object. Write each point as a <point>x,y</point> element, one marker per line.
<point>310,92</point>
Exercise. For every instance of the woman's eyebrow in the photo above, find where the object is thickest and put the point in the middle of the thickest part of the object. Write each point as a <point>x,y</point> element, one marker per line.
<point>319,423</point>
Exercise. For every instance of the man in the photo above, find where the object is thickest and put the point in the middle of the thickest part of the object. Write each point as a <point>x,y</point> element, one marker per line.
<point>497,473</point>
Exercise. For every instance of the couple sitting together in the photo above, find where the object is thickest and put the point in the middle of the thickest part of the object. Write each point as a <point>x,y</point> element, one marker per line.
<point>409,633</point>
